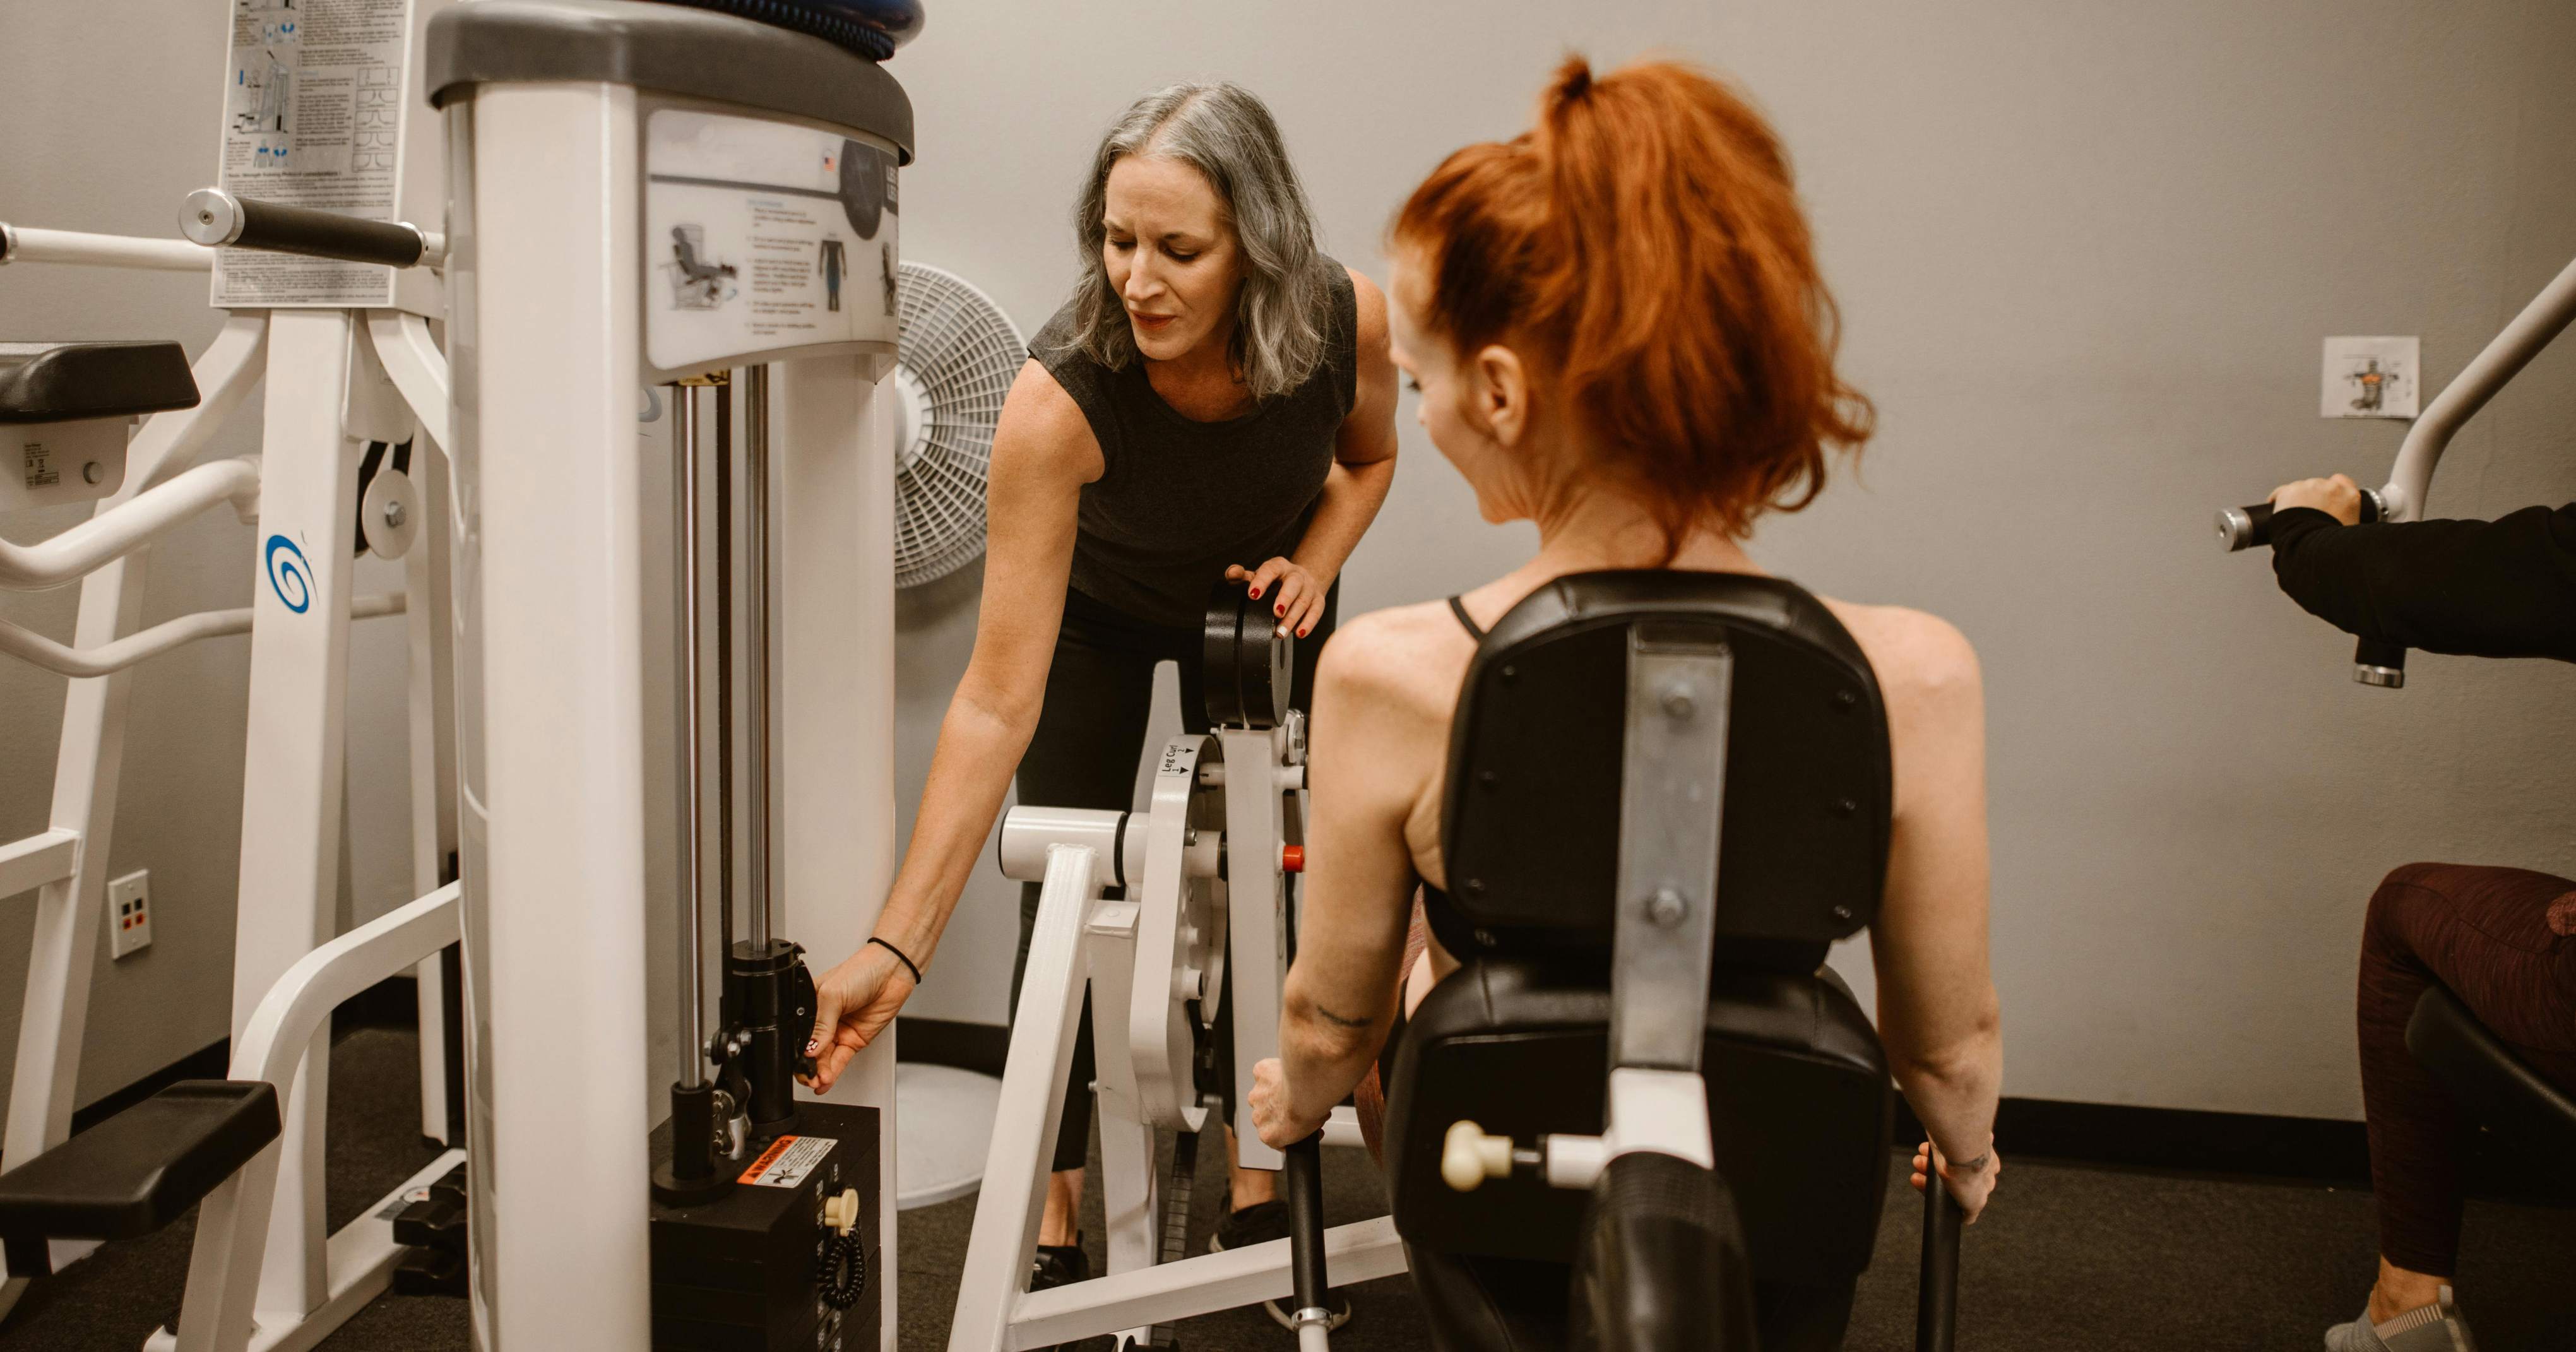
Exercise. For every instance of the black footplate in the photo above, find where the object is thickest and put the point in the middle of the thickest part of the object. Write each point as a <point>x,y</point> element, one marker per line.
<point>433,1231</point>
<point>137,1171</point>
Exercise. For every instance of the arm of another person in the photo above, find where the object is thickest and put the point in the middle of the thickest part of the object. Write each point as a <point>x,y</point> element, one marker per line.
<point>1354,488</point>
<point>1370,741</point>
<point>2502,588</point>
<point>1937,1013</point>
<point>1043,453</point>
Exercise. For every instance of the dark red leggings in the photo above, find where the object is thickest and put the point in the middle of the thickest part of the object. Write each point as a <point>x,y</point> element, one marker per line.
<point>2504,941</point>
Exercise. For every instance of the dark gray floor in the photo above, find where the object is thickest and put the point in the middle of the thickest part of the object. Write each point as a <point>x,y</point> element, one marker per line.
<point>2071,1258</point>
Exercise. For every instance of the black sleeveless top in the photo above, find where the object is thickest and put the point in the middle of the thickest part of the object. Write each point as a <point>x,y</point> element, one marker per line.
<point>1178,499</point>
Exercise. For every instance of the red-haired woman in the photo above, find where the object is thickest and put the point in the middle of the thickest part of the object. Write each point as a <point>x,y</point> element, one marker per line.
<point>1617,332</point>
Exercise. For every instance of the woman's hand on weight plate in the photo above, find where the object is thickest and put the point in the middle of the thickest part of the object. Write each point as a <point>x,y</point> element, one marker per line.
<point>1296,596</point>
<point>853,1003</point>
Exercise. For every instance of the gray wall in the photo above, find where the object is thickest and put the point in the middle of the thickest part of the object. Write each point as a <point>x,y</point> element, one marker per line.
<point>2085,255</point>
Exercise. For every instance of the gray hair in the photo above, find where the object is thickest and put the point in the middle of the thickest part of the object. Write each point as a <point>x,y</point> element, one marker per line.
<point>1223,131</point>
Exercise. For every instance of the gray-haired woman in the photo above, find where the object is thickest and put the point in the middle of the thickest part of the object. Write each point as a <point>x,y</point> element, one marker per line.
<point>1216,400</point>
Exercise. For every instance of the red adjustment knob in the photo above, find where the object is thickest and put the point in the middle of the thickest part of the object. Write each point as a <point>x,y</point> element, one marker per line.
<point>1292,858</point>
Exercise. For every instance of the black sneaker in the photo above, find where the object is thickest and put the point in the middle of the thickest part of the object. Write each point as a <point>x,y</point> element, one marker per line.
<point>1260,1223</point>
<point>1059,1265</point>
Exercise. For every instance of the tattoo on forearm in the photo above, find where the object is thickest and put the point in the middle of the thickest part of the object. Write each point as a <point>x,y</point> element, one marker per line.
<point>1338,1021</point>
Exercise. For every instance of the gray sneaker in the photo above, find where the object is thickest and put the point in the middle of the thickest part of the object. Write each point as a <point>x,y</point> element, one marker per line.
<point>2437,1327</point>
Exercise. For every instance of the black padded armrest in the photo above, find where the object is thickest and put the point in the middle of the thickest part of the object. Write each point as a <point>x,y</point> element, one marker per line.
<point>58,382</point>
<point>141,1169</point>
<point>2499,1088</point>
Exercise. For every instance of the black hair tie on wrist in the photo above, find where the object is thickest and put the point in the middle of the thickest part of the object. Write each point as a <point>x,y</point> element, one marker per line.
<point>899,957</point>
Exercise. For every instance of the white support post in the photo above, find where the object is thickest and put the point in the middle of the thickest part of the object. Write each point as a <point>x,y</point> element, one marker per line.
<point>544,291</point>
<point>293,758</point>
<point>832,517</point>
<point>1256,937</point>
<point>432,688</point>
<point>1004,1240</point>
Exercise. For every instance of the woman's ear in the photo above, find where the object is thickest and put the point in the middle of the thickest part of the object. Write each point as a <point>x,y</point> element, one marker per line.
<point>1502,393</point>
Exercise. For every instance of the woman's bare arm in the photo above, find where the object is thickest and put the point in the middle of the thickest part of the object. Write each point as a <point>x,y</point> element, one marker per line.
<point>1937,1013</point>
<point>1356,485</point>
<point>1373,739</point>
<point>1043,453</point>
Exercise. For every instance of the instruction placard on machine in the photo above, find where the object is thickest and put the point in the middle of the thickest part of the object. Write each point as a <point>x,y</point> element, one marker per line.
<point>761,237</point>
<point>312,118</point>
<point>788,1161</point>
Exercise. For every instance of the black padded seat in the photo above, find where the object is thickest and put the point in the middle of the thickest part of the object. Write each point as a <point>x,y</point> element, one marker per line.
<point>2497,1088</point>
<point>1516,1041</point>
<point>137,1171</point>
<point>60,382</point>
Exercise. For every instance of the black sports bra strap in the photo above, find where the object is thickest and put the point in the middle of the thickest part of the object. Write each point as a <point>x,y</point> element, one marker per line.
<point>1474,630</point>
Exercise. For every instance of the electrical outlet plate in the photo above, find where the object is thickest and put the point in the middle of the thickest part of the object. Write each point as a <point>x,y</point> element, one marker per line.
<point>2370,378</point>
<point>129,913</point>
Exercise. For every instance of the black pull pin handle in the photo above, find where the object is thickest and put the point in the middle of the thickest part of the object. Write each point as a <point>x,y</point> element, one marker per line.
<point>1303,1177</point>
<point>218,219</point>
<point>2251,527</point>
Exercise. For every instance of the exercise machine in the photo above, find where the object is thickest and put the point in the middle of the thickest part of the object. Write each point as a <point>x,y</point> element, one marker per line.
<point>762,131</point>
<point>2410,483</point>
<point>1643,1115</point>
<point>354,408</point>
<point>1202,904</point>
<point>588,140</point>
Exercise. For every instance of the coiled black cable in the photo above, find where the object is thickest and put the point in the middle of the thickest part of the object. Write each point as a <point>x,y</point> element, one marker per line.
<point>841,1268</point>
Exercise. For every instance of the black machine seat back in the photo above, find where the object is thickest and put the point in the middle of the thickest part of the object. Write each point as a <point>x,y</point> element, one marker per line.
<point>1530,822</point>
<point>59,382</point>
<point>1518,1041</point>
<point>2499,1089</point>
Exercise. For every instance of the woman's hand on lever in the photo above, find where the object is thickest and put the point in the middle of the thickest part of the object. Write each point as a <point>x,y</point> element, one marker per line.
<point>1971,1182</point>
<point>2338,497</point>
<point>1295,594</point>
<point>853,1003</point>
<point>1274,1118</point>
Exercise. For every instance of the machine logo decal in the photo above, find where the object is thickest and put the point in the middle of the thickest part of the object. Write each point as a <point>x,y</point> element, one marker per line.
<point>290,577</point>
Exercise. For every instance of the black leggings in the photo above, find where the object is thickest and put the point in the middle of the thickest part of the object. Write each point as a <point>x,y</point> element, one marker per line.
<point>1089,740</point>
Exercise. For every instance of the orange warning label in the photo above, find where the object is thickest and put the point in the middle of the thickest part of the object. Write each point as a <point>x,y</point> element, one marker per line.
<point>787,1161</point>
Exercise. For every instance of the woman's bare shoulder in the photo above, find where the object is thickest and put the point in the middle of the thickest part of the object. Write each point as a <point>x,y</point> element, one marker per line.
<point>1921,659</point>
<point>1407,657</point>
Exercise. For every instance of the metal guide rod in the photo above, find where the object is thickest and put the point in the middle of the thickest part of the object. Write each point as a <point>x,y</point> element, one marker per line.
<point>755,517</point>
<point>724,672</point>
<point>30,244</point>
<point>684,549</point>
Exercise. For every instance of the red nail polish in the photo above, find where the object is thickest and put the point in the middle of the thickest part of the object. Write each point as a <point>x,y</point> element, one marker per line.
<point>1256,593</point>
<point>1279,610</point>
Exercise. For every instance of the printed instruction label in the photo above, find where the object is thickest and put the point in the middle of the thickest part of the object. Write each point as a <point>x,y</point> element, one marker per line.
<point>761,237</point>
<point>788,1161</point>
<point>312,118</point>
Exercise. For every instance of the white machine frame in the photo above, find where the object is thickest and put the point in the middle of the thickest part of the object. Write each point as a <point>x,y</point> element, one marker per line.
<point>331,378</point>
<point>1137,955</point>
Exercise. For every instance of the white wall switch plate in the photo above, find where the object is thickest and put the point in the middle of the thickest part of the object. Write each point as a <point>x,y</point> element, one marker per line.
<point>129,913</point>
<point>2370,378</point>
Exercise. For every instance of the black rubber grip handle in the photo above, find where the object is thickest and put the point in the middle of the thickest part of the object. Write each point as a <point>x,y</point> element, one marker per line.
<point>2250,527</point>
<point>1304,1182</point>
<point>1936,1294</point>
<point>279,228</point>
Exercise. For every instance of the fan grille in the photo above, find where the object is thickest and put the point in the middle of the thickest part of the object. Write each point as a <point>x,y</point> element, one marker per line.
<point>957,356</point>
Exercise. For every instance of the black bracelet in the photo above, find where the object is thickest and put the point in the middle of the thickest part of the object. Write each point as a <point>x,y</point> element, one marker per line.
<point>898,956</point>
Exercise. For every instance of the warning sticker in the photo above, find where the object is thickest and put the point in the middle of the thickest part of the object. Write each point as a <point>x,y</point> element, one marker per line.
<point>788,1161</point>
<point>312,118</point>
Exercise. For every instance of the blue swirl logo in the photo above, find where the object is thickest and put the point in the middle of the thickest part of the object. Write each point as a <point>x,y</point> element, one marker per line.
<point>290,577</point>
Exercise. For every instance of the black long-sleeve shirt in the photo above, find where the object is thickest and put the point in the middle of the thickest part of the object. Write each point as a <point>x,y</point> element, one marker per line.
<point>2501,588</point>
